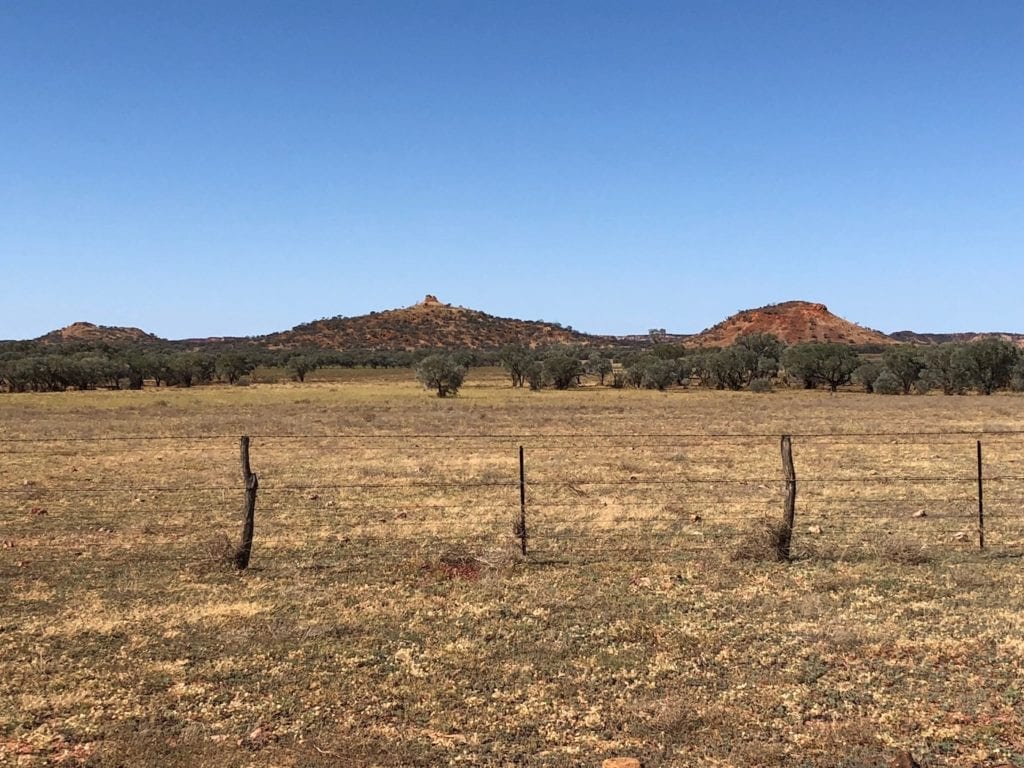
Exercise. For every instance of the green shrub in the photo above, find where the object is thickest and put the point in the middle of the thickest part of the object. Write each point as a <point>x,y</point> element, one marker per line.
<point>598,365</point>
<point>1017,381</point>
<point>888,383</point>
<point>535,375</point>
<point>865,375</point>
<point>990,364</point>
<point>441,373</point>
<point>905,363</point>
<point>562,370</point>
<point>817,363</point>
<point>659,375</point>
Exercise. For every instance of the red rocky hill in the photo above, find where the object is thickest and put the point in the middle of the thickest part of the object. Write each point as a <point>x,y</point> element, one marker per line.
<point>791,321</point>
<point>91,333</point>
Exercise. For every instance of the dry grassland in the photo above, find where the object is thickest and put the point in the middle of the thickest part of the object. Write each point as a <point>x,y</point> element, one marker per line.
<point>388,620</point>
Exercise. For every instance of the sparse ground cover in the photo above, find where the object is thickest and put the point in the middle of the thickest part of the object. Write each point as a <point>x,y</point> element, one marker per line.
<point>387,619</point>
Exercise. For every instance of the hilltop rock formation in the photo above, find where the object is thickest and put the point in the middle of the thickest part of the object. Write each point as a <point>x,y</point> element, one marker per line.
<point>430,300</point>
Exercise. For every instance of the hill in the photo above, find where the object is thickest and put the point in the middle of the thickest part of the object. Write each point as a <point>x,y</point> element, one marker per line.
<point>791,321</point>
<point>95,334</point>
<point>429,324</point>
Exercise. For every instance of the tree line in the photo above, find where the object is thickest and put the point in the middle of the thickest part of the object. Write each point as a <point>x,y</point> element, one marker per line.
<point>41,367</point>
<point>758,362</point>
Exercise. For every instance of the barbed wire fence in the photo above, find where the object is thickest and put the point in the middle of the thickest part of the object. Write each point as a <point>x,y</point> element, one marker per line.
<point>357,501</point>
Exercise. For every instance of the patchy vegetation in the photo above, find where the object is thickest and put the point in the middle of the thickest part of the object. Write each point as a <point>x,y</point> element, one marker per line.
<point>396,626</point>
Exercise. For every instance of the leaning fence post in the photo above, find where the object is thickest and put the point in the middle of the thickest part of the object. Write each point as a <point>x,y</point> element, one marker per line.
<point>981,503</point>
<point>520,525</point>
<point>251,484</point>
<point>789,512</point>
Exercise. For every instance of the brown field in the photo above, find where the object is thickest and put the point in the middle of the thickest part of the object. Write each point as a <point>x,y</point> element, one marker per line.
<point>388,619</point>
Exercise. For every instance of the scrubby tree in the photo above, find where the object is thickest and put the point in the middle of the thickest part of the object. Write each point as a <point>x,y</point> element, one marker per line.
<point>817,363</point>
<point>303,363</point>
<point>659,375</point>
<point>800,362</point>
<point>865,375</point>
<point>634,374</point>
<point>838,363</point>
<point>730,367</point>
<point>562,369</point>
<point>232,366</point>
<point>990,363</point>
<point>441,373</point>
<point>700,368</point>
<point>136,367</point>
<point>1017,381</point>
<point>947,367</point>
<point>761,353</point>
<point>888,383</point>
<point>535,375</point>
<point>516,359</point>
<point>905,363</point>
<point>635,367</point>
<point>187,368</point>
<point>684,371</point>
<point>598,365</point>
<point>90,370</point>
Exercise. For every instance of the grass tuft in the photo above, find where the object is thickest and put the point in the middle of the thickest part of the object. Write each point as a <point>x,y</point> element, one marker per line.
<point>763,541</point>
<point>904,551</point>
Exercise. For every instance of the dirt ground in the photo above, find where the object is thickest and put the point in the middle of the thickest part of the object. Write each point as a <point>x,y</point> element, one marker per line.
<point>389,618</point>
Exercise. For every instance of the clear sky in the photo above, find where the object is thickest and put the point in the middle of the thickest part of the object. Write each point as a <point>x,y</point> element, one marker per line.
<point>233,168</point>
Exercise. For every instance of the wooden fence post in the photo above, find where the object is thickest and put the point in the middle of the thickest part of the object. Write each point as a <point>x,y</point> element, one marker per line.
<point>981,503</point>
<point>520,525</point>
<point>251,484</point>
<point>789,513</point>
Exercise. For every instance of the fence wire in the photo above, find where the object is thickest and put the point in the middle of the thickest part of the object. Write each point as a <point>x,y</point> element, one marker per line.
<point>122,501</point>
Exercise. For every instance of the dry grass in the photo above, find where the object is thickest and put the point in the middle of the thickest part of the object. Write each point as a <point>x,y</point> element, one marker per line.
<point>763,540</point>
<point>388,620</point>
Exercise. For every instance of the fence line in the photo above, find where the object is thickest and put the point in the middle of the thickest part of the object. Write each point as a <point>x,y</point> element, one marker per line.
<point>515,435</point>
<point>559,495</point>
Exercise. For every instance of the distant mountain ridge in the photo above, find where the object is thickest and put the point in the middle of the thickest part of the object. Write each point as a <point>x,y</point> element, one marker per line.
<point>431,324</point>
<point>912,337</point>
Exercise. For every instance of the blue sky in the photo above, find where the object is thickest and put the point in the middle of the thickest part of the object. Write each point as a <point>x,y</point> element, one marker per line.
<point>233,168</point>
